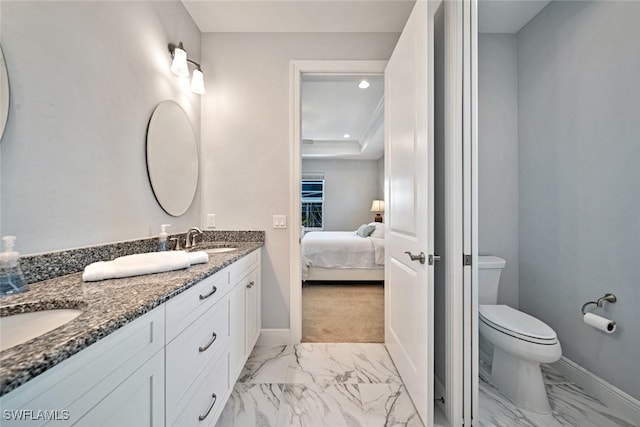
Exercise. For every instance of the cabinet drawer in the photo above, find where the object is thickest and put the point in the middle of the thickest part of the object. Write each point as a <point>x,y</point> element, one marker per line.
<point>203,404</point>
<point>240,268</point>
<point>191,351</point>
<point>191,304</point>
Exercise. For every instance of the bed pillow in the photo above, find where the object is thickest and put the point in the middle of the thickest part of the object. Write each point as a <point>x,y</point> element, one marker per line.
<point>379,230</point>
<point>365,230</point>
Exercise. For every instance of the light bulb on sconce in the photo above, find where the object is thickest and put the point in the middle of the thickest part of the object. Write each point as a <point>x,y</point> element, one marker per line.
<point>197,82</point>
<point>179,63</point>
<point>180,67</point>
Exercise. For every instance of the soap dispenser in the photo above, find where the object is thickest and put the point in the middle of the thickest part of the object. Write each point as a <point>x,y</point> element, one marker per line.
<point>162,238</point>
<point>11,278</point>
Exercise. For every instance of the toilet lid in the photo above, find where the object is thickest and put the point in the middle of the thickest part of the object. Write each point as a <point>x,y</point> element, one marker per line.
<point>516,323</point>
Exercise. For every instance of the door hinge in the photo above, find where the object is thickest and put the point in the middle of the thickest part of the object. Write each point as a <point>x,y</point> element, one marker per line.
<point>466,260</point>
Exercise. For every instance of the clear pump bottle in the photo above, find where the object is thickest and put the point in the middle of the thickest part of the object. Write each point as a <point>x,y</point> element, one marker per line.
<point>11,277</point>
<point>162,238</point>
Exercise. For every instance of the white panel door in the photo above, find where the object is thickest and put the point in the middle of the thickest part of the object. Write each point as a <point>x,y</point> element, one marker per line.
<point>409,214</point>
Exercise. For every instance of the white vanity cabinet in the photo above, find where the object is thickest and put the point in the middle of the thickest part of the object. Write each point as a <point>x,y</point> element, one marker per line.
<point>205,358</point>
<point>174,366</point>
<point>245,313</point>
<point>120,379</point>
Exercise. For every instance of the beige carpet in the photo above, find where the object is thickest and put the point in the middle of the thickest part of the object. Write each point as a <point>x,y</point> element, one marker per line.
<point>343,313</point>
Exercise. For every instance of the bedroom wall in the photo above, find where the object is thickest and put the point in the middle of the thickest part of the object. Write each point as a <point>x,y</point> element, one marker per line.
<point>498,157</point>
<point>579,121</point>
<point>349,186</point>
<point>245,137</point>
<point>73,153</point>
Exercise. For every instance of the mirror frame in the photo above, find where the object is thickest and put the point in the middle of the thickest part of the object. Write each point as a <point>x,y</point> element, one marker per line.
<point>4,93</point>
<point>172,158</point>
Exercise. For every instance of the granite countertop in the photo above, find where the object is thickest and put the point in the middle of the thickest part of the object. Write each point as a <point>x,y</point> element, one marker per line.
<point>107,306</point>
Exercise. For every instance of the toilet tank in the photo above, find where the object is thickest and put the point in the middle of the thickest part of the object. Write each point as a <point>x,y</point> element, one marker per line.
<point>489,269</point>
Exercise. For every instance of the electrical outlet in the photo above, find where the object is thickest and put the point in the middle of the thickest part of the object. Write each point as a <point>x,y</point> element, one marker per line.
<point>279,221</point>
<point>211,221</point>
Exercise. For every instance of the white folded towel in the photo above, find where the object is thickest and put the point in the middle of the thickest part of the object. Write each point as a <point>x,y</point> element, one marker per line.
<point>139,264</point>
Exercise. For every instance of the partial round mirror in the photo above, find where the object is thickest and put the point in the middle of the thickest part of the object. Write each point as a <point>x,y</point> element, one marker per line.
<point>4,94</point>
<point>172,158</point>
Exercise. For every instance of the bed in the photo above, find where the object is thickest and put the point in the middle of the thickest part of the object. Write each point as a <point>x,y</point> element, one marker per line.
<point>342,255</point>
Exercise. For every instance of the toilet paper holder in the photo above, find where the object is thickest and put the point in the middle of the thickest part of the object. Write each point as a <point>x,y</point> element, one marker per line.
<point>607,297</point>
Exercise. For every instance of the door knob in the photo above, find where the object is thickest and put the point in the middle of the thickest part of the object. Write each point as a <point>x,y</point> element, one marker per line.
<point>420,257</point>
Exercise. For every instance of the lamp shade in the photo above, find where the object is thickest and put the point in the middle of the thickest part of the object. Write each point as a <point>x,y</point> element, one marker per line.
<point>179,64</point>
<point>197,82</point>
<point>377,206</point>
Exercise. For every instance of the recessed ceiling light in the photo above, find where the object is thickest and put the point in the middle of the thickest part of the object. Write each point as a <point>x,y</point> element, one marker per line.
<point>363,84</point>
<point>346,135</point>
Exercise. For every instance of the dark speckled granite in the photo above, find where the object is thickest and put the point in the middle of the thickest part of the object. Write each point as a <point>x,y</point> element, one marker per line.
<point>46,266</point>
<point>108,305</point>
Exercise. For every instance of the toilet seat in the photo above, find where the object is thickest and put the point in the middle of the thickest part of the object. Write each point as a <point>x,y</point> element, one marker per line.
<point>517,324</point>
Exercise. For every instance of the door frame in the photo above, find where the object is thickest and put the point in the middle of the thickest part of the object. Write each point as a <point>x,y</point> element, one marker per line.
<point>296,69</point>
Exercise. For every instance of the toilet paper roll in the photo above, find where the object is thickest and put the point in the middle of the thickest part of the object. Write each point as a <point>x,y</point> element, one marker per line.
<point>599,322</point>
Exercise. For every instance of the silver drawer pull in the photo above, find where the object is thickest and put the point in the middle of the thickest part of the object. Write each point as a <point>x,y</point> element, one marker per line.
<point>250,285</point>
<point>207,345</point>
<point>213,291</point>
<point>206,414</point>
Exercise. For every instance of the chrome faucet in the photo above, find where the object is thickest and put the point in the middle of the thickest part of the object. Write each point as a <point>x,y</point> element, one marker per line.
<point>191,239</point>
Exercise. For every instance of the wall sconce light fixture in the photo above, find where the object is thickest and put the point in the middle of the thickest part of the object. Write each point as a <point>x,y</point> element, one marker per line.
<point>180,67</point>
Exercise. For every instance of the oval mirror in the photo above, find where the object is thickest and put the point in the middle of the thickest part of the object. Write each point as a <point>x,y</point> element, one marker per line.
<point>4,94</point>
<point>172,158</point>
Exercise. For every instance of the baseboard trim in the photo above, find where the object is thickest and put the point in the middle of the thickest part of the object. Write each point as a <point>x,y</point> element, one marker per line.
<point>627,406</point>
<point>274,337</point>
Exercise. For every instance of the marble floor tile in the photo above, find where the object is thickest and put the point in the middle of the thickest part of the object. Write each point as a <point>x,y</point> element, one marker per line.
<point>388,405</point>
<point>373,364</point>
<point>252,405</point>
<point>572,407</point>
<point>552,376</point>
<point>496,410</point>
<point>267,365</point>
<point>316,405</point>
<point>322,364</point>
<point>333,385</point>
<point>569,404</point>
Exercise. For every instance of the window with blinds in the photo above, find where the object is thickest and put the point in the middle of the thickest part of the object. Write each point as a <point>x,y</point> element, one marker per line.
<point>312,202</point>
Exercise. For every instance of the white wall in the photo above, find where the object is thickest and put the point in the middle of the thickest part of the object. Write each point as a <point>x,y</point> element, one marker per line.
<point>85,78</point>
<point>498,157</point>
<point>349,188</point>
<point>245,136</point>
<point>579,130</point>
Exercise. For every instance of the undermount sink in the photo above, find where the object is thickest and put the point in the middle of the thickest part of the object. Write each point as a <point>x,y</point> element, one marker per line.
<point>219,250</point>
<point>19,328</point>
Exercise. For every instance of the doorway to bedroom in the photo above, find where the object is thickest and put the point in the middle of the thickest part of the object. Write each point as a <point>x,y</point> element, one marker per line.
<point>342,207</point>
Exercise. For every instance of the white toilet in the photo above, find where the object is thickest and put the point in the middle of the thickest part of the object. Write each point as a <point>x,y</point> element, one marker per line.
<point>520,342</point>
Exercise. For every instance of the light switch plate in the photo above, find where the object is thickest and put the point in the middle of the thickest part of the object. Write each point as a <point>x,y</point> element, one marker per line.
<point>279,221</point>
<point>211,220</point>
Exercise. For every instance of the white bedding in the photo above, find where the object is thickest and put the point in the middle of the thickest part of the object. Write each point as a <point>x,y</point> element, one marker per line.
<point>340,249</point>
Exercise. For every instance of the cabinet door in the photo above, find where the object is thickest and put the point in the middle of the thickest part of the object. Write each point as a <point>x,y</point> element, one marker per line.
<point>77,384</point>
<point>238,352</point>
<point>252,308</point>
<point>136,402</point>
